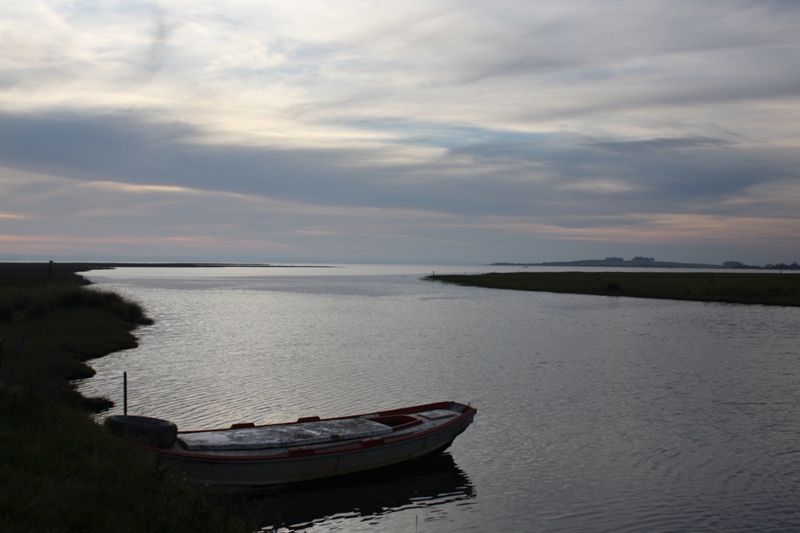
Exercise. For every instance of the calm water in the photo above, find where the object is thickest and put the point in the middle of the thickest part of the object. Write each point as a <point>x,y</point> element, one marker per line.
<point>594,413</point>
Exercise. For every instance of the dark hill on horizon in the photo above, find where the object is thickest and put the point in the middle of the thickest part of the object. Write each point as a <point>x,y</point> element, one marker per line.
<point>649,262</point>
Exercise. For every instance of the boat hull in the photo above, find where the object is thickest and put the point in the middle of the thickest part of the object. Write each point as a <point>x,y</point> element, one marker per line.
<point>307,463</point>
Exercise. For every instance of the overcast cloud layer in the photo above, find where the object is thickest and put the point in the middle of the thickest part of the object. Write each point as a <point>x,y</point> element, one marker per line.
<point>416,131</point>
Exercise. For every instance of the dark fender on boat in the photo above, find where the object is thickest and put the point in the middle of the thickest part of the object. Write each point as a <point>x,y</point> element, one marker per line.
<point>144,429</point>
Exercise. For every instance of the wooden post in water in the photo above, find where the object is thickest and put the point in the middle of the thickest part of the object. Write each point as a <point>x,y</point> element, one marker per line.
<point>125,393</point>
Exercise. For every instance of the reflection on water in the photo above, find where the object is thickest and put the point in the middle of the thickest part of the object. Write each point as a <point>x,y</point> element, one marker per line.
<point>365,499</point>
<point>595,413</point>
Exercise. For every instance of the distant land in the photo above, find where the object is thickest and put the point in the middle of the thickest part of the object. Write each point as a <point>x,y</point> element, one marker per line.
<point>649,262</point>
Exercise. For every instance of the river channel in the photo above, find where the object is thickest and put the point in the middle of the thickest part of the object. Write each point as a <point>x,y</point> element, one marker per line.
<point>594,413</point>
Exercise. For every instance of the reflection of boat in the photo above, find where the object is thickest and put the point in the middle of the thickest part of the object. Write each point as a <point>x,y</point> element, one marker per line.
<point>432,482</point>
<point>309,449</point>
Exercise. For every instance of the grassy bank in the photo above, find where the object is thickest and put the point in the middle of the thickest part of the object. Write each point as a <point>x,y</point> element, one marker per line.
<point>59,470</point>
<point>742,288</point>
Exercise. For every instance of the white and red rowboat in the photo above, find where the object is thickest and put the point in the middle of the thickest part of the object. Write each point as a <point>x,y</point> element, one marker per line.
<point>310,449</point>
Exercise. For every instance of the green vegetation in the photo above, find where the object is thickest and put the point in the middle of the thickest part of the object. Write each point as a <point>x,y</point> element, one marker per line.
<point>744,288</point>
<point>59,470</point>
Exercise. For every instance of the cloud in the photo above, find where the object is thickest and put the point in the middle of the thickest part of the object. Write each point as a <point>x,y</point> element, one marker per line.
<point>159,46</point>
<point>426,121</point>
<point>660,145</point>
<point>486,172</point>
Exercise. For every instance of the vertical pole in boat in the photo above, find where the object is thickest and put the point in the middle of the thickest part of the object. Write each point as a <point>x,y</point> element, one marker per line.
<point>125,393</point>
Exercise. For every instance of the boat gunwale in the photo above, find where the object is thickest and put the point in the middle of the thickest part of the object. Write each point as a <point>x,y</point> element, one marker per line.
<point>347,447</point>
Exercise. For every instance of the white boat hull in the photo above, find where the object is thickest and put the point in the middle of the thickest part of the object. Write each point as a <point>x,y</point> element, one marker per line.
<point>284,464</point>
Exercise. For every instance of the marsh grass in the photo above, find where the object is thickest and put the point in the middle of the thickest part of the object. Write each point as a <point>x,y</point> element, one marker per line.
<point>63,326</point>
<point>744,288</point>
<point>59,470</point>
<point>18,303</point>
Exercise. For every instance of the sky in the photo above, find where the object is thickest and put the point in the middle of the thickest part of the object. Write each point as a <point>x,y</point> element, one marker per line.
<point>430,131</point>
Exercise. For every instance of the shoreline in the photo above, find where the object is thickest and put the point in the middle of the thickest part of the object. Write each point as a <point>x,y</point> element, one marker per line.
<point>737,288</point>
<point>62,324</point>
<point>61,471</point>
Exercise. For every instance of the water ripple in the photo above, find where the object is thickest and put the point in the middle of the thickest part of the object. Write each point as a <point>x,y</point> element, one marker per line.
<point>595,414</point>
